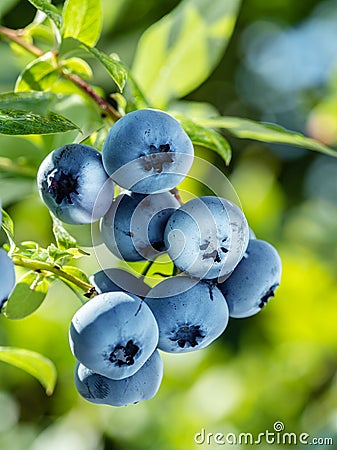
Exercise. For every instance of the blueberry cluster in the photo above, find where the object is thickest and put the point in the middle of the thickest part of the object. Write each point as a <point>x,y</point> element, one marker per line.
<point>220,269</point>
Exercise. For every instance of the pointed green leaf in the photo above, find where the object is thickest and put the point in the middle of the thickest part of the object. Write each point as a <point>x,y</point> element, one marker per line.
<point>37,102</point>
<point>33,363</point>
<point>112,64</point>
<point>63,238</point>
<point>21,122</point>
<point>50,10</point>
<point>23,113</point>
<point>265,132</point>
<point>206,137</point>
<point>39,75</point>
<point>27,296</point>
<point>8,227</point>
<point>179,52</point>
<point>82,19</point>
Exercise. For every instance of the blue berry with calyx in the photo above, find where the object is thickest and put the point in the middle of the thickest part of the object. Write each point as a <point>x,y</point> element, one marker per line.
<point>142,385</point>
<point>133,228</point>
<point>113,334</point>
<point>74,185</point>
<point>254,280</point>
<point>147,151</point>
<point>206,237</point>
<point>190,314</point>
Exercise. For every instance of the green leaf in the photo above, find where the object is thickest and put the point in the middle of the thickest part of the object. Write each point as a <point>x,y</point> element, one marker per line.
<point>39,75</point>
<point>63,238</point>
<point>206,137</point>
<point>38,102</point>
<point>50,10</point>
<point>77,66</point>
<point>21,122</point>
<point>112,64</point>
<point>179,52</point>
<point>82,20</point>
<point>265,132</point>
<point>23,113</point>
<point>8,227</point>
<point>33,363</point>
<point>27,296</point>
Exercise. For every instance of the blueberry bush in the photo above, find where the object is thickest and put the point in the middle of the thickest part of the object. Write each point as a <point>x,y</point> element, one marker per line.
<point>117,207</point>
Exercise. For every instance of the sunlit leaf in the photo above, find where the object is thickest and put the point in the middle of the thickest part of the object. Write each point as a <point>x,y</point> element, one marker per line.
<point>77,66</point>
<point>8,227</point>
<point>21,122</point>
<point>178,53</point>
<point>112,64</point>
<point>37,102</point>
<point>78,273</point>
<point>27,296</point>
<point>50,10</point>
<point>33,363</point>
<point>265,132</point>
<point>39,75</point>
<point>206,137</point>
<point>63,238</point>
<point>82,19</point>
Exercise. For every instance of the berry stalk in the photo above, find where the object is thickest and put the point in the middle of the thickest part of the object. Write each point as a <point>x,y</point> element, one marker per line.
<point>40,266</point>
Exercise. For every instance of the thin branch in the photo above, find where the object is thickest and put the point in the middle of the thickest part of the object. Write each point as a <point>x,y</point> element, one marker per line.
<point>103,104</point>
<point>16,36</point>
<point>40,266</point>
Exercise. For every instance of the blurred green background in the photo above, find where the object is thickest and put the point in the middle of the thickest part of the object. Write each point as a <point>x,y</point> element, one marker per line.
<point>280,365</point>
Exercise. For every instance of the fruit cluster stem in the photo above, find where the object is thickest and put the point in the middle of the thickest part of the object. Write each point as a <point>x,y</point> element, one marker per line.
<point>41,266</point>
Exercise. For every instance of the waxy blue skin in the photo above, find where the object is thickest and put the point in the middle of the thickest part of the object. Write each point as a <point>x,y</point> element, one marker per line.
<point>143,385</point>
<point>7,272</point>
<point>253,281</point>
<point>147,151</point>
<point>190,314</point>
<point>115,279</point>
<point>7,276</point>
<point>113,334</point>
<point>74,185</point>
<point>206,237</point>
<point>133,228</point>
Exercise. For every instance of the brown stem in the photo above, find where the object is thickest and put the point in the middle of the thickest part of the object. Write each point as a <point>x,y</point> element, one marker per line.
<point>177,196</point>
<point>103,104</point>
<point>16,36</point>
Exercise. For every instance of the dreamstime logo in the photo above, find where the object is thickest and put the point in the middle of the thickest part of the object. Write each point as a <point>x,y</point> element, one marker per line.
<point>202,174</point>
<point>277,436</point>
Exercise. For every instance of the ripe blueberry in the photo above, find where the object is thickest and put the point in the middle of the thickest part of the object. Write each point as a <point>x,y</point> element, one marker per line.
<point>7,276</point>
<point>114,279</point>
<point>133,228</point>
<point>74,185</point>
<point>142,385</point>
<point>190,314</point>
<point>253,281</point>
<point>206,237</point>
<point>147,151</point>
<point>113,334</point>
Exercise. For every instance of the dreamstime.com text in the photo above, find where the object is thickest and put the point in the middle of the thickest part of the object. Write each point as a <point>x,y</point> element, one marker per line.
<point>277,436</point>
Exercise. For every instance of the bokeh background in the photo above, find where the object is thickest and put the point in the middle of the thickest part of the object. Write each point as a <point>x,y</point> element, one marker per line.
<point>280,66</point>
